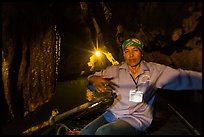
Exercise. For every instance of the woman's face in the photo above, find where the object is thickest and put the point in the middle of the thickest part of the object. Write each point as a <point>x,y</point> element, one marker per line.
<point>132,56</point>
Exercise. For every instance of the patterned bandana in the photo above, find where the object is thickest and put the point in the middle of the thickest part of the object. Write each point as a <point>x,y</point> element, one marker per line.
<point>133,42</point>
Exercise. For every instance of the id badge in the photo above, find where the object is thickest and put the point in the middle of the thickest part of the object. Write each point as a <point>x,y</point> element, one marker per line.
<point>136,96</point>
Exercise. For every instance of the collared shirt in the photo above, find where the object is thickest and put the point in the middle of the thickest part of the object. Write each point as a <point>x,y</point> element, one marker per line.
<point>151,76</point>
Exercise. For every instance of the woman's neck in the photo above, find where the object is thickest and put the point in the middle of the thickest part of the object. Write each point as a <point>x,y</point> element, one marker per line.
<point>134,70</point>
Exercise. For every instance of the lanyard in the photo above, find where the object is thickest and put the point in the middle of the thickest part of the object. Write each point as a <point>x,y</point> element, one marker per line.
<point>135,81</point>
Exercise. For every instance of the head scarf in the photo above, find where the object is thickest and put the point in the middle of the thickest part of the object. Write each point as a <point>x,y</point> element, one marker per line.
<point>133,42</point>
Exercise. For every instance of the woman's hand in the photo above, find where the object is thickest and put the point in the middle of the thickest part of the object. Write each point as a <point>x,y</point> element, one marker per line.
<point>102,83</point>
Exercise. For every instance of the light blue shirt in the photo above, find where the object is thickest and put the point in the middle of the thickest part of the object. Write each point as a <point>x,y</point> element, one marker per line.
<point>151,76</point>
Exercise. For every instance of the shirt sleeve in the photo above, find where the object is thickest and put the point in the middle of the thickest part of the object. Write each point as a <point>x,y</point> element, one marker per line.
<point>89,85</point>
<point>179,79</point>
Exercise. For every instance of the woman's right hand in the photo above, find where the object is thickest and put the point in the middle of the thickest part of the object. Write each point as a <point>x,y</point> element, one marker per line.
<point>102,83</point>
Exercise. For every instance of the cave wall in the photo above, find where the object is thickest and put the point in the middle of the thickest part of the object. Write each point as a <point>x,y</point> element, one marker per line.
<point>29,57</point>
<point>171,31</point>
